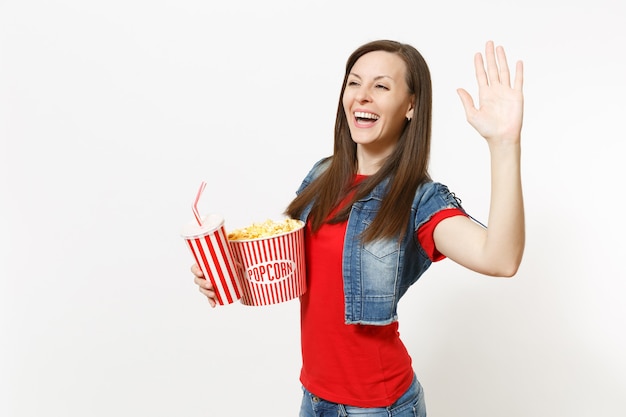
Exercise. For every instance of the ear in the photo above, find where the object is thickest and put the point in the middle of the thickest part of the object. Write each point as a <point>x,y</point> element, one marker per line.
<point>409,112</point>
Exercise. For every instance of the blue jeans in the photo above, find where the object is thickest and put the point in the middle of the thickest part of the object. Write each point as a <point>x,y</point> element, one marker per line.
<point>410,404</point>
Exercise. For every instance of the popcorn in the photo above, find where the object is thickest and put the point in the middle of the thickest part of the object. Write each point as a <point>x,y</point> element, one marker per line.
<point>266,229</point>
<point>270,261</point>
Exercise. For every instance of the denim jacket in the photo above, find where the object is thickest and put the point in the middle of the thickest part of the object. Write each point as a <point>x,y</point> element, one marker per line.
<point>378,273</point>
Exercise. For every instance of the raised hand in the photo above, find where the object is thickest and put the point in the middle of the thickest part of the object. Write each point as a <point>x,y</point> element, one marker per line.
<point>498,249</point>
<point>498,117</point>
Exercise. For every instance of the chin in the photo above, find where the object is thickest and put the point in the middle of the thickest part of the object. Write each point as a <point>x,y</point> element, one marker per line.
<point>359,139</point>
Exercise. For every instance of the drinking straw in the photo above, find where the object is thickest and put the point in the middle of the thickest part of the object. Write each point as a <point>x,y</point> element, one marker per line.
<point>194,207</point>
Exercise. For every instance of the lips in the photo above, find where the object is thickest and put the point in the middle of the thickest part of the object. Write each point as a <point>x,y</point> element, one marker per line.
<point>365,119</point>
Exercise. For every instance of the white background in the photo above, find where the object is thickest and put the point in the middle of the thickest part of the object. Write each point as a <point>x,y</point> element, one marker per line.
<point>113,112</point>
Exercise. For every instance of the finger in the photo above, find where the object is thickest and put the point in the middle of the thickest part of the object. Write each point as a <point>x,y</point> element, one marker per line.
<point>492,65</point>
<point>466,100</point>
<point>208,293</point>
<point>505,77</point>
<point>203,283</point>
<point>479,67</point>
<point>195,269</point>
<point>519,76</point>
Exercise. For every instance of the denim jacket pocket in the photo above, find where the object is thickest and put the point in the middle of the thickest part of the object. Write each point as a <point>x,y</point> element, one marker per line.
<point>380,266</point>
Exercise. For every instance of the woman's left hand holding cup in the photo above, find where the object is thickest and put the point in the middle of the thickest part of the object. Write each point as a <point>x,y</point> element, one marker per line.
<point>204,285</point>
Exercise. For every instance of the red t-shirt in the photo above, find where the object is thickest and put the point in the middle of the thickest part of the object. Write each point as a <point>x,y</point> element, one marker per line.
<point>357,365</point>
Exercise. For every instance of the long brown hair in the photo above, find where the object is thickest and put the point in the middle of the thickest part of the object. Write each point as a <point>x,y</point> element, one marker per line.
<point>406,167</point>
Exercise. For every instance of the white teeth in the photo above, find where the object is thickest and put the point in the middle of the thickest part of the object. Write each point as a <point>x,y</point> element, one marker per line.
<point>363,115</point>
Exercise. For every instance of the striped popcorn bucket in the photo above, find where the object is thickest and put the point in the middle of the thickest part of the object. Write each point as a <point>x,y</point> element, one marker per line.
<point>208,243</point>
<point>271,269</point>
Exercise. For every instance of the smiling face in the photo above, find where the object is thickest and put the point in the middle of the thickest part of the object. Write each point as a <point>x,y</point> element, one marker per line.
<point>377,101</point>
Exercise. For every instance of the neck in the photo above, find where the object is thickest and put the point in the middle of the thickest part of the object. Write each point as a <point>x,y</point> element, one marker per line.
<point>368,163</point>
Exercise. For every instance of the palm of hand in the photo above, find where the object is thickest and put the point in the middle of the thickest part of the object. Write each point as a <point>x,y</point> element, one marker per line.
<point>498,117</point>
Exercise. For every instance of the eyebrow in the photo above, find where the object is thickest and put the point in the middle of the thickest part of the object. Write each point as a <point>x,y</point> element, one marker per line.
<point>379,77</point>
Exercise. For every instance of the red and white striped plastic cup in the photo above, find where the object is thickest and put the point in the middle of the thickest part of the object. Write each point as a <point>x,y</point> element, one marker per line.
<point>209,246</point>
<point>271,269</point>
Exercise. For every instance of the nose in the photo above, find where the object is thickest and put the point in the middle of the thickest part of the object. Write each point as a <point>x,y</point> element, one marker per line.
<point>363,95</point>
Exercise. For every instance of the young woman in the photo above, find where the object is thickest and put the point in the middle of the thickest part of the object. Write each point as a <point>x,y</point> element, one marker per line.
<point>375,221</point>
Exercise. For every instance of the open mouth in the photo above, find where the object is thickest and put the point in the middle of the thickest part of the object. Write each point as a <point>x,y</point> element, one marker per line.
<point>365,119</point>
